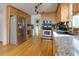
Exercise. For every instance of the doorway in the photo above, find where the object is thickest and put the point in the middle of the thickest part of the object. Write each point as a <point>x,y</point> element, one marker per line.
<point>36,21</point>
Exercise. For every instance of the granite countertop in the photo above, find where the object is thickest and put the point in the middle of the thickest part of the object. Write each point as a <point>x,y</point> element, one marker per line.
<point>67,45</point>
<point>55,34</point>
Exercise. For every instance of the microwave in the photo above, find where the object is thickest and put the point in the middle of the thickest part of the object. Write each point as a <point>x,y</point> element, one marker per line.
<point>47,22</point>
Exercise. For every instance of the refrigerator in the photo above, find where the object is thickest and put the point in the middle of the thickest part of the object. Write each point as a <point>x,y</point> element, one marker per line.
<point>17,30</point>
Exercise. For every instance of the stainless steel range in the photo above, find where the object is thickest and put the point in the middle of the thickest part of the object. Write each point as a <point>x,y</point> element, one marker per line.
<point>47,29</point>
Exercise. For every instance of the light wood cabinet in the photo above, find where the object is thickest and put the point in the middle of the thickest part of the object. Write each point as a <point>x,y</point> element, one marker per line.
<point>75,8</point>
<point>13,11</point>
<point>59,13</point>
<point>19,13</point>
<point>64,12</point>
<point>28,19</point>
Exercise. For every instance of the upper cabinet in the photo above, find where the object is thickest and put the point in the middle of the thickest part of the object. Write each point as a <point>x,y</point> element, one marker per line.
<point>62,12</point>
<point>12,11</point>
<point>59,13</point>
<point>20,13</point>
<point>15,11</point>
<point>75,8</point>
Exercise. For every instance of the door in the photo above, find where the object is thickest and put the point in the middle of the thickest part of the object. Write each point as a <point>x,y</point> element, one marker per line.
<point>37,27</point>
<point>36,21</point>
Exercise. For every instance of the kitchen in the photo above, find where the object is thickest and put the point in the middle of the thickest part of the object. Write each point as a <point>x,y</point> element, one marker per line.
<point>47,26</point>
<point>65,36</point>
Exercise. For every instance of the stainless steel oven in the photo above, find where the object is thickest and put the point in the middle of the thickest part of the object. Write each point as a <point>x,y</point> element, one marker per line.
<point>47,29</point>
<point>47,33</point>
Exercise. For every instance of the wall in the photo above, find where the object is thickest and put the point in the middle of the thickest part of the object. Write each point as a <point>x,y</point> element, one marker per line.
<point>51,15</point>
<point>3,9</point>
<point>0,23</point>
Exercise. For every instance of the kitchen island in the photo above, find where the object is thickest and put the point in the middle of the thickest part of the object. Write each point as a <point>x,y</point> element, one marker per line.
<point>67,45</point>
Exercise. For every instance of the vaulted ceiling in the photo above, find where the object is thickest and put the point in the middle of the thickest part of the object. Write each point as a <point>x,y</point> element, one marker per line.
<point>30,7</point>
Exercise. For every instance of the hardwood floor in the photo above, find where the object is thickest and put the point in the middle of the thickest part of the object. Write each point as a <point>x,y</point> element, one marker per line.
<point>32,47</point>
<point>0,44</point>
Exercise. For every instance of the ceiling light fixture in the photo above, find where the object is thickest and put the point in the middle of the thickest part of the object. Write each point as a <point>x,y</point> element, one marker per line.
<point>36,7</point>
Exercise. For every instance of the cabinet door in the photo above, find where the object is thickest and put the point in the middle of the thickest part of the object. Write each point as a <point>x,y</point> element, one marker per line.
<point>64,12</point>
<point>75,8</point>
<point>13,11</point>
<point>20,13</point>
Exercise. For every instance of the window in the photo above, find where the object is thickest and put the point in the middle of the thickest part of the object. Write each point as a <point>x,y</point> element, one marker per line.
<point>76,21</point>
